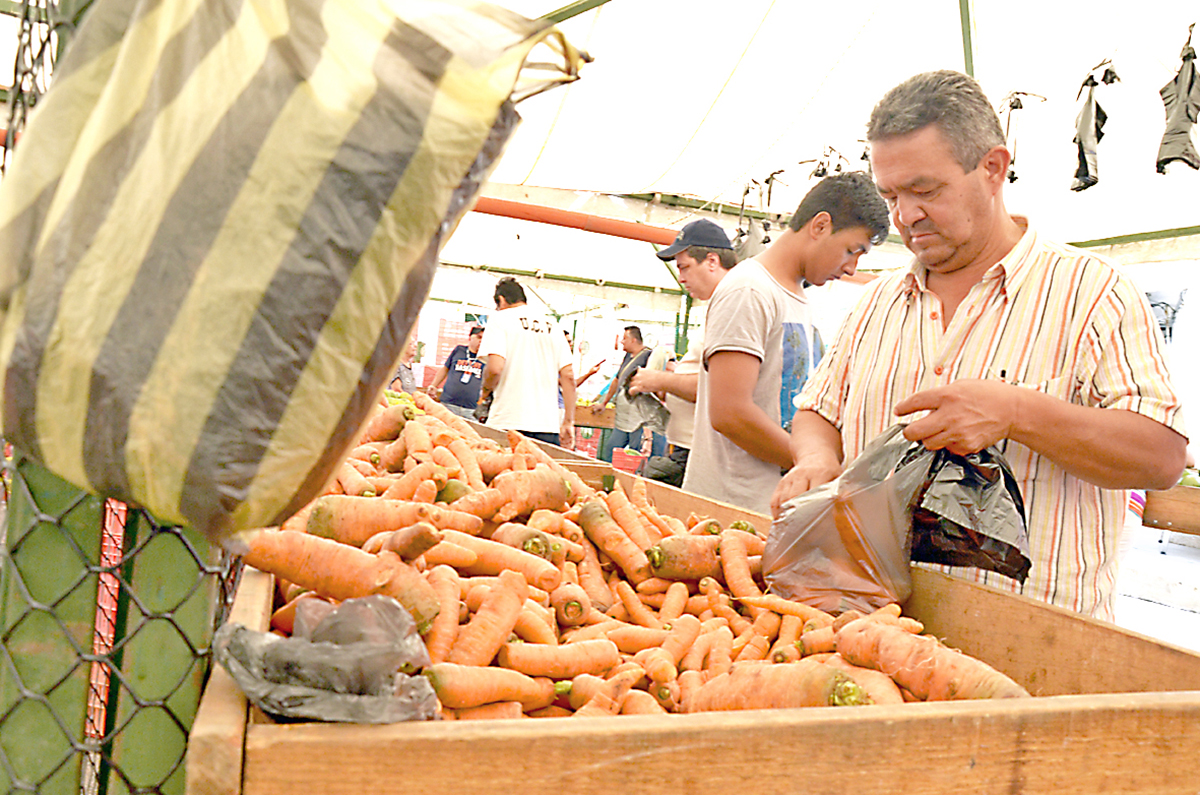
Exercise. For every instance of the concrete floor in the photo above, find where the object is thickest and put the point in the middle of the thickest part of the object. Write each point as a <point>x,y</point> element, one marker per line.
<point>1158,586</point>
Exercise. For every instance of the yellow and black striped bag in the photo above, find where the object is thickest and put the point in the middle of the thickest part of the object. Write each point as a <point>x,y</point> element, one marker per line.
<point>220,225</point>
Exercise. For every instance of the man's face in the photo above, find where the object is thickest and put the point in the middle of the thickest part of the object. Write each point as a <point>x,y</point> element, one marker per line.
<point>943,214</point>
<point>698,278</point>
<point>629,343</point>
<point>837,254</point>
<point>473,342</point>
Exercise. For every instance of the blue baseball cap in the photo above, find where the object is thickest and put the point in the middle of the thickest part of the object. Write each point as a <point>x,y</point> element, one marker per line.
<point>703,232</point>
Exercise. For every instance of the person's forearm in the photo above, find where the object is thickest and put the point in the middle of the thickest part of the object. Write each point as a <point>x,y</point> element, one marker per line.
<point>682,385</point>
<point>566,379</point>
<point>813,435</point>
<point>440,378</point>
<point>491,375</point>
<point>1111,448</point>
<point>749,427</point>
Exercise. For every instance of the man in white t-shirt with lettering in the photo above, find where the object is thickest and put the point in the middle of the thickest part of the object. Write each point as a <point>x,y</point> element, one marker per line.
<point>527,361</point>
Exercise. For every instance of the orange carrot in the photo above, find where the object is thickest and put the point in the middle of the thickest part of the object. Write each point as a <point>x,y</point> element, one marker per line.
<point>464,686</point>
<point>387,423</point>
<point>675,603</point>
<point>759,637</point>
<point>641,500</point>
<point>534,627</point>
<point>416,438</point>
<point>737,569</point>
<point>526,538</point>
<point>432,407</point>
<point>571,604</point>
<point>552,711</point>
<point>470,464</point>
<point>447,553</point>
<point>720,652</point>
<point>526,492</point>
<point>489,628</point>
<point>560,662</point>
<point>406,485</point>
<point>393,456</point>
<point>444,629</point>
<point>878,686</point>
<point>784,606</point>
<point>639,702</point>
<point>607,698</point>
<point>368,452</point>
<point>686,557</point>
<point>484,504</point>
<point>638,612</point>
<point>283,619</point>
<point>592,579</point>
<point>662,663</point>
<point>407,542</point>
<point>785,649</point>
<point>352,520</point>
<point>921,664</point>
<point>426,492</point>
<point>494,558</point>
<point>608,536</point>
<point>624,514</point>
<point>631,638</point>
<point>353,481</point>
<point>340,571</point>
<point>760,685</point>
<point>816,641</point>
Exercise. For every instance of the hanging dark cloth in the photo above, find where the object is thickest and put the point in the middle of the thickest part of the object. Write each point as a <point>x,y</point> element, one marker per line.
<point>1089,129</point>
<point>1181,97</point>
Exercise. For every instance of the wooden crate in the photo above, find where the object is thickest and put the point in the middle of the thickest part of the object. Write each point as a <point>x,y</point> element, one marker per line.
<point>1118,712</point>
<point>592,417</point>
<point>1176,509</point>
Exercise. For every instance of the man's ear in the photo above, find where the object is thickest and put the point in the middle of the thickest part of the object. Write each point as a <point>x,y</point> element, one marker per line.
<point>995,164</point>
<point>820,224</point>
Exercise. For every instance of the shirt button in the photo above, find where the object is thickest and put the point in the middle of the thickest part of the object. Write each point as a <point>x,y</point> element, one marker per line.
<point>933,315</point>
<point>937,370</point>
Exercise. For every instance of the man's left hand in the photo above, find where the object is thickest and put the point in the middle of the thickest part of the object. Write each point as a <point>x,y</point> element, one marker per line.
<point>566,435</point>
<point>964,417</point>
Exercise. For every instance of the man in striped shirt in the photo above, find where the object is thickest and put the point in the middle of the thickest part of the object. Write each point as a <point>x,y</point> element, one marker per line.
<point>996,335</point>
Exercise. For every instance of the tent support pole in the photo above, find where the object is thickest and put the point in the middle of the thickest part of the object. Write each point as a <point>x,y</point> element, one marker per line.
<point>964,14</point>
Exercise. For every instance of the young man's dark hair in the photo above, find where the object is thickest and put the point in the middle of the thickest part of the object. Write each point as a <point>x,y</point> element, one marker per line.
<point>634,332</point>
<point>510,290</point>
<point>851,200</point>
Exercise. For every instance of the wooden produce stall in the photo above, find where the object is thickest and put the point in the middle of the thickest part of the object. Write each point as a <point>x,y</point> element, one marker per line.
<point>592,417</point>
<point>1116,712</point>
<point>1176,509</point>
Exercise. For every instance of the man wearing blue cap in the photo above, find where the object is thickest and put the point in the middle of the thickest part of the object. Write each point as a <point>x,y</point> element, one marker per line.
<point>703,255</point>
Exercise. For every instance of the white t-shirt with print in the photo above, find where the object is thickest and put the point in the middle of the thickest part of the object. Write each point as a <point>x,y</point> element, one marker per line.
<point>750,312</point>
<point>534,350</point>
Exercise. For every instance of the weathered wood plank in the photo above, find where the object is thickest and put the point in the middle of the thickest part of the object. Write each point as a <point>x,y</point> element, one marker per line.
<point>1176,509</point>
<point>1143,743</point>
<point>216,743</point>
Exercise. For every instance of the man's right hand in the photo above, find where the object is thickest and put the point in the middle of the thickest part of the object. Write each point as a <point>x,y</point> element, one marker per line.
<point>643,380</point>
<point>809,473</point>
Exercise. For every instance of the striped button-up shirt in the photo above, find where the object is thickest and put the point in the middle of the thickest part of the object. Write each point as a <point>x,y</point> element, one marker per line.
<point>1047,317</point>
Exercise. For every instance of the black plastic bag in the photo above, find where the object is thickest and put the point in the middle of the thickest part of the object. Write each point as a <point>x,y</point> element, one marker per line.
<point>969,512</point>
<point>355,668</point>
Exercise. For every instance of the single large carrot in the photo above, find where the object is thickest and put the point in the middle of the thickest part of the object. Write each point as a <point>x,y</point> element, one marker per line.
<point>480,639</point>
<point>686,557</point>
<point>560,662</point>
<point>736,568</point>
<point>494,558</point>
<point>470,464</point>
<point>354,482</point>
<point>526,538</point>
<point>662,663</point>
<point>386,423</point>
<point>787,607</point>
<point>352,520</point>
<point>720,652</point>
<point>608,536</point>
<point>638,612</point>
<point>416,438</point>
<point>878,686</point>
<point>571,604</point>
<point>628,517</point>
<point>406,485</point>
<point>407,542</point>
<point>639,702</point>
<point>785,648</point>
<point>497,710</point>
<point>921,664</point>
<point>761,685</point>
<point>675,603</point>
<point>526,492</point>
<point>340,571</point>
<point>631,638</point>
<point>444,629</point>
<point>462,686</point>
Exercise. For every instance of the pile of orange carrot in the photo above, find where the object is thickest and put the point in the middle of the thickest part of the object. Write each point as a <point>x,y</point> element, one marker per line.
<point>541,596</point>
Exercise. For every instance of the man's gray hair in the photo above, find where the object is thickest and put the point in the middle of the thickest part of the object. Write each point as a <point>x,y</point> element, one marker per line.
<point>952,101</point>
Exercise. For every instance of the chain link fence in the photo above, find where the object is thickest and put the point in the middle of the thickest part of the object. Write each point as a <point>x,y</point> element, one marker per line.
<point>105,622</point>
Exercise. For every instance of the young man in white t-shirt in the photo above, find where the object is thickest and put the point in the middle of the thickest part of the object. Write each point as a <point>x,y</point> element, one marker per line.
<point>527,361</point>
<point>760,343</point>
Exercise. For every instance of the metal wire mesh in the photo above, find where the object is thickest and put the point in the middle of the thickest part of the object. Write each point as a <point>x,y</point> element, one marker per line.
<point>105,622</point>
